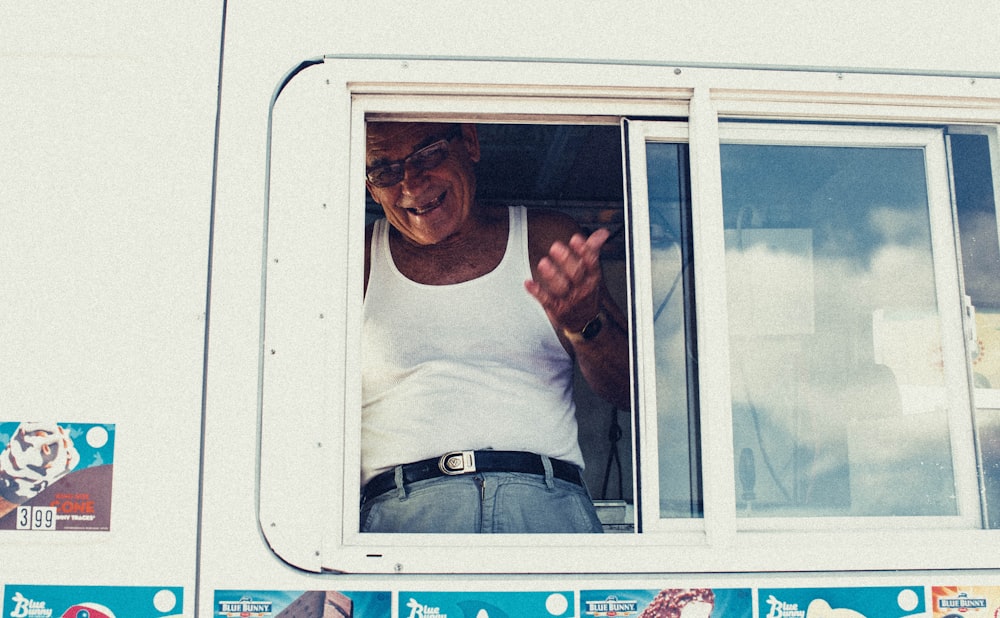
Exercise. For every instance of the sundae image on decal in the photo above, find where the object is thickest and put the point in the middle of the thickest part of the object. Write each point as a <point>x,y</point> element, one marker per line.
<point>56,476</point>
<point>681,603</point>
<point>38,455</point>
<point>667,603</point>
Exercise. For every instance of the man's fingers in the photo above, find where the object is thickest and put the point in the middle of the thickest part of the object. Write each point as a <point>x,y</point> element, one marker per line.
<point>581,257</point>
<point>567,279</point>
<point>553,277</point>
<point>592,245</point>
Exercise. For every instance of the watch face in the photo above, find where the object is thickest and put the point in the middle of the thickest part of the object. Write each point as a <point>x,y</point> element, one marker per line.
<point>592,328</point>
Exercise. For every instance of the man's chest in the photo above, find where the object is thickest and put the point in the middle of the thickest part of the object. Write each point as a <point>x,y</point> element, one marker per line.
<point>448,267</point>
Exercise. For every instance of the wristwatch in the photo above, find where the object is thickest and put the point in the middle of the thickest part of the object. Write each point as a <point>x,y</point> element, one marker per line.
<point>589,331</point>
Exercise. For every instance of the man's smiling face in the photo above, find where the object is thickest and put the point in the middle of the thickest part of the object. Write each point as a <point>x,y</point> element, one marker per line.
<point>427,206</point>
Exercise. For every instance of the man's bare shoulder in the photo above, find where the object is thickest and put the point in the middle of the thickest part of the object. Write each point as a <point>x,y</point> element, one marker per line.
<point>547,226</point>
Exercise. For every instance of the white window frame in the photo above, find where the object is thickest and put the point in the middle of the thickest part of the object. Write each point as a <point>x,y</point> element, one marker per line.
<point>310,335</point>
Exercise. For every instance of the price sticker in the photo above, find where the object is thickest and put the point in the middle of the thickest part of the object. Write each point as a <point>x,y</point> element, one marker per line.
<point>36,518</point>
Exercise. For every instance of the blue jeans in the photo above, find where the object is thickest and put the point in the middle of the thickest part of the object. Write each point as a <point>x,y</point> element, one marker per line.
<point>501,502</point>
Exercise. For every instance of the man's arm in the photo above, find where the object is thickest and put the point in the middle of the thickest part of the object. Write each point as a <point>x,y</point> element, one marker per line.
<point>569,284</point>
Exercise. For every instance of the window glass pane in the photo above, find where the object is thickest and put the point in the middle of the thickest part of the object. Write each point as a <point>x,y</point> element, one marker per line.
<point>977,222</point>
<point>837,373</point>
<point>673,327</point>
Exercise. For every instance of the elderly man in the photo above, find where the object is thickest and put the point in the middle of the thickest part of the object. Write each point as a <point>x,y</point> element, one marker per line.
<point>473,317</point>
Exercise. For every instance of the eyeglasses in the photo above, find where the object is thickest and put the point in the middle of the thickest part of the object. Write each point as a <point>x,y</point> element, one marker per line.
<point>425,159</point>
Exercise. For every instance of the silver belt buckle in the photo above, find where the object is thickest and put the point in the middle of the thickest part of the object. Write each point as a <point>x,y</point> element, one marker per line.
<point>457,462</point>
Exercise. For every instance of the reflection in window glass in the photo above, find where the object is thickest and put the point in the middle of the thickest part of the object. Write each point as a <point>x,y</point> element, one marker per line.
<point>977,222</point>
<point>837,378</point>
<point>673,327</point>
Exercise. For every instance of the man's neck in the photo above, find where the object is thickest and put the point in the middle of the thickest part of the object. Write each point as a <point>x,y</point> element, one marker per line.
<point>466,255</point>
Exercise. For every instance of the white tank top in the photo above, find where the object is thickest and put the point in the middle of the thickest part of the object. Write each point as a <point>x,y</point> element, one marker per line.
<point>473,365</point>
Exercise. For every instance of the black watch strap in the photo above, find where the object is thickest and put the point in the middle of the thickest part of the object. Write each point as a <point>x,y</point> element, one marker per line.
<point>590,331</point>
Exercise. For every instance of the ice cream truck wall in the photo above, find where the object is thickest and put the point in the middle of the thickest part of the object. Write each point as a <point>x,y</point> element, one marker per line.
<point>804,240</point>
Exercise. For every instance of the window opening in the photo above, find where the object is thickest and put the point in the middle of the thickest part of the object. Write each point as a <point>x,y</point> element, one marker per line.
<point>576,170</point>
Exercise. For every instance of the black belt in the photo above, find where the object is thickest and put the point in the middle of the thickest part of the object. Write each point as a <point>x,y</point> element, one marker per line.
<point>469,462</point>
